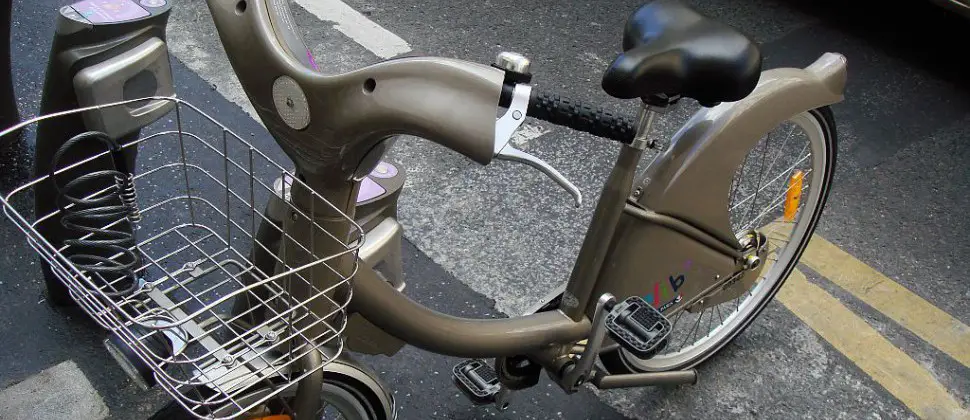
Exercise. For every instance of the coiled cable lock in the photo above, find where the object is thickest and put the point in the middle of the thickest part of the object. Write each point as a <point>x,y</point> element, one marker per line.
<point>105,217</point>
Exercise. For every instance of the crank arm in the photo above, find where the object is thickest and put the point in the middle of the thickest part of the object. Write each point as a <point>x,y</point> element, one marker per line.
<point>508,124</point>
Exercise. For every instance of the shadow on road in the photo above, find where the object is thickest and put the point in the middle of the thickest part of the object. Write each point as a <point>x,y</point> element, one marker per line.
<point>919,32</point>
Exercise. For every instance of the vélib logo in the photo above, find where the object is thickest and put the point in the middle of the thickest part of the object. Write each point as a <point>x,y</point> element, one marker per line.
<point>665,294</point>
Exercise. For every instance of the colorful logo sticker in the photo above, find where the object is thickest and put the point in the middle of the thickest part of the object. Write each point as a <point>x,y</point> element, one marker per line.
<point>664,294</point>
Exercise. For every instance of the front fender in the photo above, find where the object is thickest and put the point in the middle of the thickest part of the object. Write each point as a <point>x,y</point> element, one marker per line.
<point>692,179</point>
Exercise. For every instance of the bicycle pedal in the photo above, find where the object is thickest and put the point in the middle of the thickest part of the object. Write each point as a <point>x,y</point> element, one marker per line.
<point>637,326</point>
<point>477,380</point>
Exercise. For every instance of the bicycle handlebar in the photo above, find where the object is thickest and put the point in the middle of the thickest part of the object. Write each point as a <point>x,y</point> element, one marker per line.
<point>576,115</point>
<point>581,117</point>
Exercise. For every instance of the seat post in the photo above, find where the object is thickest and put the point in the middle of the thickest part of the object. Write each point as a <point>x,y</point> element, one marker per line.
<point>644,123</point>
<point>650,107</point>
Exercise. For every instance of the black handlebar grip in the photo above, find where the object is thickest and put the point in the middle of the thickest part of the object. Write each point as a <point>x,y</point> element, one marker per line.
<point>581,117</point>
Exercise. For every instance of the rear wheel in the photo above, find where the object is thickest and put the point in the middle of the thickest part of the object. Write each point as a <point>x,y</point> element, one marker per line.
<point>757,201</point>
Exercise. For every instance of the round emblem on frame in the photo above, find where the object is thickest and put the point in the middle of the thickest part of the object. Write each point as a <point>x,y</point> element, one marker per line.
<point>291,103</point>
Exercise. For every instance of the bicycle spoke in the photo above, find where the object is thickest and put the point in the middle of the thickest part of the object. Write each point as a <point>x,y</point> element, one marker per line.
<point>780,176</point>
<point>673,325</point>
<point>781,149</point>
<point>760,174</point>
<point>691,333</point>
<point>775,205</point>
<point>710,322</point>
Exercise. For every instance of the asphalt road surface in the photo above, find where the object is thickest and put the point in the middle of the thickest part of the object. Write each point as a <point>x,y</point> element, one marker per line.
<point>492,241</point>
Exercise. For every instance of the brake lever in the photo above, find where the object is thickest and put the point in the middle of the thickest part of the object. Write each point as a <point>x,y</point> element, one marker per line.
<point>508,124</point>
<point>515,155</point>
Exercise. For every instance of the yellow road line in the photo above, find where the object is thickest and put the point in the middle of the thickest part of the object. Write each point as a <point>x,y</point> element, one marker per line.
<point>895,301</point>
<point>852,336</point>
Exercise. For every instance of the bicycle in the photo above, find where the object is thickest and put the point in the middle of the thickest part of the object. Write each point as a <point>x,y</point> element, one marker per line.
<point>273,343</point>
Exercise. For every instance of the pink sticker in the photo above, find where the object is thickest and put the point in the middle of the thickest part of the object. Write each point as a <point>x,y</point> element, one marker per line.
<point>313,61</point>
<point>369,190</point>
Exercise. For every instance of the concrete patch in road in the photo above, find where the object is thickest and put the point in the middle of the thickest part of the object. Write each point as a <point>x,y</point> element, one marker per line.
<point>60,392</point>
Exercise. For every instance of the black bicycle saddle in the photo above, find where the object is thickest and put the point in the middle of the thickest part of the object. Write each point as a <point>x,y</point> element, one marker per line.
<point>670,50</point>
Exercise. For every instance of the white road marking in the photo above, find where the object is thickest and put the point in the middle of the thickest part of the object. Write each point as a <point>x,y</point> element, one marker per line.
<point>59,392</point>
<point>367,33</point>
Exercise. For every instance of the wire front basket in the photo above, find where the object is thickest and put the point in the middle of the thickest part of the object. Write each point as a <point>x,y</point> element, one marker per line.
<point>205,294</point>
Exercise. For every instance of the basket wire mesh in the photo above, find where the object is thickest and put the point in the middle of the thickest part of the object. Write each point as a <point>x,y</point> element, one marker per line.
<point>209,323</point>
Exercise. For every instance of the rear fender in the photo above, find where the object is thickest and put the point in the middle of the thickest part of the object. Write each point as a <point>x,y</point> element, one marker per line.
<point>691,182</point>
<point>692,179</point>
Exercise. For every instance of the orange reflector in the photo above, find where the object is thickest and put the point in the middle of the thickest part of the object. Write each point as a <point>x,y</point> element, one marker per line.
<point>794,195</point>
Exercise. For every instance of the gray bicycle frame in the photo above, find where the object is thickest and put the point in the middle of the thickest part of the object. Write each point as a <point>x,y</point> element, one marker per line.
<point>336,129</point>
